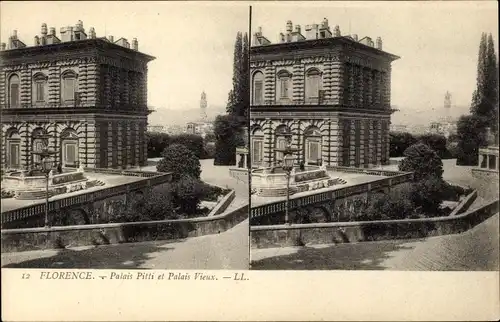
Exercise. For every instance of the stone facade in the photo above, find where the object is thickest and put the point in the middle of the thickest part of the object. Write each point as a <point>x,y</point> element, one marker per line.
<point>88,94</point>
<point>331,93</point>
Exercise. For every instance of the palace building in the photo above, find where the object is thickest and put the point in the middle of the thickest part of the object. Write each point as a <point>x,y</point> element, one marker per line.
<point>87,94</point>
<point>331,92</point>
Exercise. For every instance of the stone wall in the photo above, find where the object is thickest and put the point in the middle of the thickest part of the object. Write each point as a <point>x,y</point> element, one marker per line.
<point>352,232</point>
<point>71,236</point>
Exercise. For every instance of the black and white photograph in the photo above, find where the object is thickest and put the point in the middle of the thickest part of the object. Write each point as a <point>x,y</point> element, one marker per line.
<point>374,137</point>
<point>121,128</point>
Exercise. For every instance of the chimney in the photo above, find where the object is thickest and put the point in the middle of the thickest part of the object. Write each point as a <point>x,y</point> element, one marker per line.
<point>379,43</point>
<point>14,34</point>
<point>44,29</point>
<point>111,39</point>
<point>336,31</point>
<point>259,30</point>
<point>355,37</point>
<point>79,26</point>
<point>135,44</point>
<point>53,31</point>
<point>289,27</point>
<point>325,23</point>
<point>2,46</point>
<point>36,42</point>
<point>297,28</point>
<point>282,37</point>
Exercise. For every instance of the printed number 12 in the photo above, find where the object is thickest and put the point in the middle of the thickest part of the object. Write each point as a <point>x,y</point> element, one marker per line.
<point>25,276</point>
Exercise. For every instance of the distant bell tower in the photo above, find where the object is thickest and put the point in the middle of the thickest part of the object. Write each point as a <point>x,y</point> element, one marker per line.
<point>203,106</point>
<point>447,105</point>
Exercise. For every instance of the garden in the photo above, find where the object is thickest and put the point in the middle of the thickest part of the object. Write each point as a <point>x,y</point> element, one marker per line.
<point>185,197</point>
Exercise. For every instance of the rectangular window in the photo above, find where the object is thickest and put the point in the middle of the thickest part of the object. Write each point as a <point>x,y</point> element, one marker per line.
<point>284,88</point>
<point>14,95</point>
<point>69,89</point>
<point>257,151</point>
<point>366,138</point>
<point>39,92</point>
<point>313,150</point>
<point>70,154</point>
<point>14,148</point>
<point>257,91</point>
<point>346,143</point>
<point>38,146</point>
<point>280,144</point>
<point>357,140</point>
<point>312,86</point>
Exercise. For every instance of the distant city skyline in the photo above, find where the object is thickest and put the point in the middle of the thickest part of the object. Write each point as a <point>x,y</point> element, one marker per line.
<point>438,43</point>
<point>193,42</point>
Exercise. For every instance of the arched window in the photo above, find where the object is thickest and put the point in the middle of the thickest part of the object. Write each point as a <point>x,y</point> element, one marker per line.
<point>68,86</point>
<point>258,88</point>
<point>13,151</point>
<point>257,147</point>
<point>312,146</point>
<point>280,141</point>
<point>313,83</point>
<point>284,87</point>
<point>14,87</point>
<point>69,145</point>
<point>39,88</point>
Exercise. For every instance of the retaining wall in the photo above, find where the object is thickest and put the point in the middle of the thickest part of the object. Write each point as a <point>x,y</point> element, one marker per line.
<point>15,240</point>
<point>350,232</point>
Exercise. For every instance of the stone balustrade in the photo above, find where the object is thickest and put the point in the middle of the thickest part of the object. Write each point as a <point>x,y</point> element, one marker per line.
<point>86,197</point>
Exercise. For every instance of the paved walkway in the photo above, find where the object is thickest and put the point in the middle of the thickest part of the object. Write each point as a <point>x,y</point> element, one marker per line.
<point>227,250</point>
<point>473,250</point>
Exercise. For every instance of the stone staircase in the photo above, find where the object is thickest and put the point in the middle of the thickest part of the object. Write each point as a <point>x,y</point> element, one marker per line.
<point>94,183</point>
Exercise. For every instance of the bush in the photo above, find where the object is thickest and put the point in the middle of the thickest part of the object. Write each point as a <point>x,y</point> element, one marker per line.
<point>187,194</point>
<point>191,141</point>
<point>437,142</point>
<point>396,205</point>
<point>422,161</point>
<point>228,134</point>
<point>427,195</point>
<point>209,150</point>
<point>399,142</point>
<point>471,134</point>
<point>157,143</point>
<point>158,206</point>
<point>181,161</point>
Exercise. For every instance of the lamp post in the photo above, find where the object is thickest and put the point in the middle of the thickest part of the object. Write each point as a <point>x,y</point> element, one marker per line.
<point>46,167</point>
<point>287,165</point>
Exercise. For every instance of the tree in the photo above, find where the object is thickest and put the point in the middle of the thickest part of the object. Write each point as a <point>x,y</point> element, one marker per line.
<point>399,142</point>
<point>227,131</point>
<point>395,205</point>
<point>437,142</point>
<point>193,142</point>
<point>238,97</point>
<point>187,194</point>
<point>427,195</point>
<point>157,142</point>
<point>471,134</point>
<point>422,161</point>
<point>179,160</point>
<point>485,97</point>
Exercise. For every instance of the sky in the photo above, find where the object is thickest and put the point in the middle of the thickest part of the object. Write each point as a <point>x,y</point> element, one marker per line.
<point>193,42</point>
<point>438,43</point>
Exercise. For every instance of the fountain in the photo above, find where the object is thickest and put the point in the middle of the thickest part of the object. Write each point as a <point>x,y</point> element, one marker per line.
<point>272,181</point>
<point>45,181</point>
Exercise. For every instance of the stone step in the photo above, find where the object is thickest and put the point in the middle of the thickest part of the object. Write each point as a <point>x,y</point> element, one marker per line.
<point>30,195</point>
